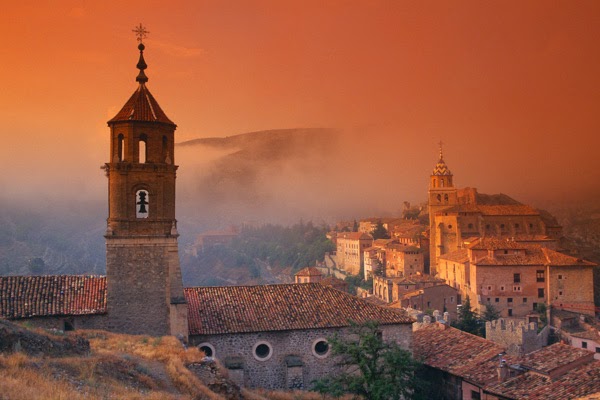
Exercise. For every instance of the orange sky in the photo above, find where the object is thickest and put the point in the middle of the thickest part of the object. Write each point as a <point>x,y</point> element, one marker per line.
<point>511,87</point>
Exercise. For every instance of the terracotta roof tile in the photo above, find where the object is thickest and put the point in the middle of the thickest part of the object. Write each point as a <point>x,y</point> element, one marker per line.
<point>37,296</point>
<point>309,271</point>
<point>459,353</point>
<point>141,106</point>
<point>354,236</point>
<point>236,309</point>
<point>490,210</point>
<point>460,256</point>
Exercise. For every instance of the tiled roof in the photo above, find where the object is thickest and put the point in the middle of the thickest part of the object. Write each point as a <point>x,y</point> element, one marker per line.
<point>141,106</point>
<point>37,296</point>
<point>535,255</point>
<point>495,243</point>
<point>548,359</point>
<point>441,168</point>
<point>490,210</point>
<point>579,381</point>
<point>417,278</point>
<point>309,271</point>
<point>456,352</point>
<point>460,256</point>
<point>237,309</point>
<point>354,236</point>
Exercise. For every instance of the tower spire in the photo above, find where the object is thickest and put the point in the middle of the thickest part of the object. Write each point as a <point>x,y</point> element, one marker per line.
<point>441,152</point>
<point>141,33</point>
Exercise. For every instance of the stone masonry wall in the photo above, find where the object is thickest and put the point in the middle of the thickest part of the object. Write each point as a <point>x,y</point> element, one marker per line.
<point>139,273</point>
<point>292,360</point>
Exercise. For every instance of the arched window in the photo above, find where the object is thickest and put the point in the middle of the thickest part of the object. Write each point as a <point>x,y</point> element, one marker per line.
<point>142,204</point>
<point>165,149</point>
<point>434,182</point>
<point>121,147</point>
<point>439,197</point>
<point>445,197</point>
<point>442,182</point>
<point>143,149</point>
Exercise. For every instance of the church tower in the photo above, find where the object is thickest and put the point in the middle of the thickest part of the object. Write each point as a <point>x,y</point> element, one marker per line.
<point>144,285</point>
<point>442,195</point>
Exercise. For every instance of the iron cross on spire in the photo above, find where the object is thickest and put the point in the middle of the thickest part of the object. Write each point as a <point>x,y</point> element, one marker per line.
<point>140,32</point>
<point>441,153</point>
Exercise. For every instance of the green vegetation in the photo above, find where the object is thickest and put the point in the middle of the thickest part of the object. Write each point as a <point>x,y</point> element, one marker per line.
<point>468,320</point>
<point>372,368</point>
<point>380,232</point>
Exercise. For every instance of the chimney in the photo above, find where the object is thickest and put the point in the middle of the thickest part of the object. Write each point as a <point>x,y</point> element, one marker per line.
<point>502,370</point>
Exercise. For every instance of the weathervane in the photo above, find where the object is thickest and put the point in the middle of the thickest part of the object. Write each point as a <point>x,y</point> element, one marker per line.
<point>140,32</point>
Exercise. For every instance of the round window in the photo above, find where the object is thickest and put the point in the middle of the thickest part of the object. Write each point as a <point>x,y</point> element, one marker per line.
<point>207,349</point>
<point>262,351</point>
<point>320,348</point>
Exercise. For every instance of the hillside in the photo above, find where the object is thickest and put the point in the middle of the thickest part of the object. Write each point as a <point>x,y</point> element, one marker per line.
<point>38,364</point>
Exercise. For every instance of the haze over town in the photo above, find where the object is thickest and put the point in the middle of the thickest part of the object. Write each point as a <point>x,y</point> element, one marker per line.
<point>511,89</point>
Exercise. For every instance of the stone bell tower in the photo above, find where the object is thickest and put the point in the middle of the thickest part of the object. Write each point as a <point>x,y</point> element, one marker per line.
<point>144,285</point>
<point>442,195</point>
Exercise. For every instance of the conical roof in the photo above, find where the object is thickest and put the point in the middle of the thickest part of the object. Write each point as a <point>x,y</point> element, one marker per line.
<point>441,168</point>
<point>142,106</point>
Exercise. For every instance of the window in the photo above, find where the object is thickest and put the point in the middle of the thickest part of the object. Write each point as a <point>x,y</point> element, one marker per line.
<point>497,300</point>
<point>539,276</point>
<point>524,299</point>
<point>559,276</point>
<point>531,225</point>
<point>584,345</point>
<point>560,292</point>
<point>510,312</point>
<point>207,349</point>
<point>597,349</point>
<point>470,226</point>
<point>142,204</point>
<point>540,292</point>
<point>143,149</point>
<point>262,351</point>
<point>509,300</point>
<point>320,348</point>
<point>534,306</point>
<point>487,227</point>
<point>517,278</point>
<point>475,395</point>
<point>121,147</point>
<point>517,226</point>
<point>502,288</point>
<point>501,226</point>
<point>165,150</point>
<point>449,226</point>
<point>516,288</point>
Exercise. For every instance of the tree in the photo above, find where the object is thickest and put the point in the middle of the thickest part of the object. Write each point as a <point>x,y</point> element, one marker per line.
<point>380,232</point>
<point>372,368</point>
<point>468,319</point>
<point>490,313</point>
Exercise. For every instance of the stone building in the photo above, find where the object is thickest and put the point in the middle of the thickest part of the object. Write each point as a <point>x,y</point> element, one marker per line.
<point>308,275</point>
<point>350,249</point>
<point>275,336</point>
<point>514,277</point>
<point>393,289</point>
<point>402,260</point>
<point>429,298</point>
<point>456,215</point>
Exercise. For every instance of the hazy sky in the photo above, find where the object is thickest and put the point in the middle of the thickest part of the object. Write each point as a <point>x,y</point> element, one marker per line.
<point>511,87</point>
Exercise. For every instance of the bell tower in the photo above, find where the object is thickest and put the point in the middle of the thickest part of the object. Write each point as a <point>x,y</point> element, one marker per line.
<point>442,195</point>
<point>144,284</point>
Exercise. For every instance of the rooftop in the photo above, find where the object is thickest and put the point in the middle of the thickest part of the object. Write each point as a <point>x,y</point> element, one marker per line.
<point>309,271</point>
<point>51,295</point>
<point>240,309</point>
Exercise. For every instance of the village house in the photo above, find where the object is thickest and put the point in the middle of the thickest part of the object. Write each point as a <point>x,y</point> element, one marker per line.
<point>467,367</point>
<point>515,277</point>
<point>402,260</point>
<point>430,298</point>
<point>350,249</point>
<point>393,289</point>
<point>578,330</point>
<point>308,275</point>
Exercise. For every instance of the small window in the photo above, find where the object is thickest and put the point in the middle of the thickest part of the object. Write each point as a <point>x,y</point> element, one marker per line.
<point>497,299</point>
<point>470,226</point>
<point>121,147</point>
<point>320,348</point>
<point>559,276</point>
<point>449,226</point>
<point>597,349</point>
<point>501,226</point>
<point>143,151</point>
<point>539,276</point>
<point>487,227</point>
<point>560,292</point>
<point>524,299</point>
<point>540,292</point>
<point>207,349</point>
<point>517,278</point>
<point>517,226</point>
<point>475,395</point>
<point>510,300</point>
<point>584,345</point>
<point>502,288</point>
<point>141,204</point>
<point>262,351</point>
<point>510,312</point>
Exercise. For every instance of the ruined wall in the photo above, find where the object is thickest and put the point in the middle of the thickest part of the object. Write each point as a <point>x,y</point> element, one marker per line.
<point>518,337</point>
